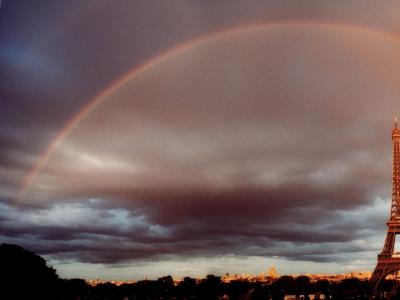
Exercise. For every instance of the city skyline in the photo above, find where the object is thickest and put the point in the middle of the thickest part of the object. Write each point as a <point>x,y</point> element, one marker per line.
<point>144,139</point>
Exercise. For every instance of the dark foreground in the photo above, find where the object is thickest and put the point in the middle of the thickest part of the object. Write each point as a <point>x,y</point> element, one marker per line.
<point>25,275</point>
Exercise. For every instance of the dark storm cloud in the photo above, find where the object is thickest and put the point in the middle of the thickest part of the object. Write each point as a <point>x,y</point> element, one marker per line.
<point>260,227</point>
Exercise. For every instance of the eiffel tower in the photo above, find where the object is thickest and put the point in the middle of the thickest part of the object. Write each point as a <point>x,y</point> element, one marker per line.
<point>388,260</point>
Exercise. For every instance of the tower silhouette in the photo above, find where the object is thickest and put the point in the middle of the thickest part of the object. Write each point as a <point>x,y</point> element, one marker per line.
<point>388,260</point>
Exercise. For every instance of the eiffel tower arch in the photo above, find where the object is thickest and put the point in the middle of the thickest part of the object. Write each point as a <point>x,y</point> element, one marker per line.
<point>388,259</point>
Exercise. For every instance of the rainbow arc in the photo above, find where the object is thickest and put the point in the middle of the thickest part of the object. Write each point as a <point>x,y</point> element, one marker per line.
<point>135,72</point>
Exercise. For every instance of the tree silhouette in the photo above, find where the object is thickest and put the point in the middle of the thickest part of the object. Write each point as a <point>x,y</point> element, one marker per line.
<point>72,289</point>
<point>285,285</point>
<point>303,286</point>
<point>187,289</point>
<point>210,288</point>
<point>25,275</point>
<point>323,287</point>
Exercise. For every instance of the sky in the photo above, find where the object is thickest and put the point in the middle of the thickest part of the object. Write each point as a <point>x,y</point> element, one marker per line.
<point>146,138</point>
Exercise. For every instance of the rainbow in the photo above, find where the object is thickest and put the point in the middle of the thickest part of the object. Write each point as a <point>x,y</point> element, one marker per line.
<point>140,69</point>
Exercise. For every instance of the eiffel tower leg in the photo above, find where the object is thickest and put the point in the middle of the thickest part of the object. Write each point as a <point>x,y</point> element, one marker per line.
<point>382,265</point>
<point>375,280</point>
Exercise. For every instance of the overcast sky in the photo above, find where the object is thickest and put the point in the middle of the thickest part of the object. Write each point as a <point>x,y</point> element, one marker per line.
<point>255,134</point>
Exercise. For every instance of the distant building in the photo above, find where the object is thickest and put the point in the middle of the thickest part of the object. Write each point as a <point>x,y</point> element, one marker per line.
<point>272,274</point>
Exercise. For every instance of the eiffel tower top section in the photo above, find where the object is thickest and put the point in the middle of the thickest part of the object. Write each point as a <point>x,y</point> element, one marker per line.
<point>395,131</point>
<point>395,209</point>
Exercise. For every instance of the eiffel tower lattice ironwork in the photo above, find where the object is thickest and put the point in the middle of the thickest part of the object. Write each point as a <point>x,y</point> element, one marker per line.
<point>388,260</point>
